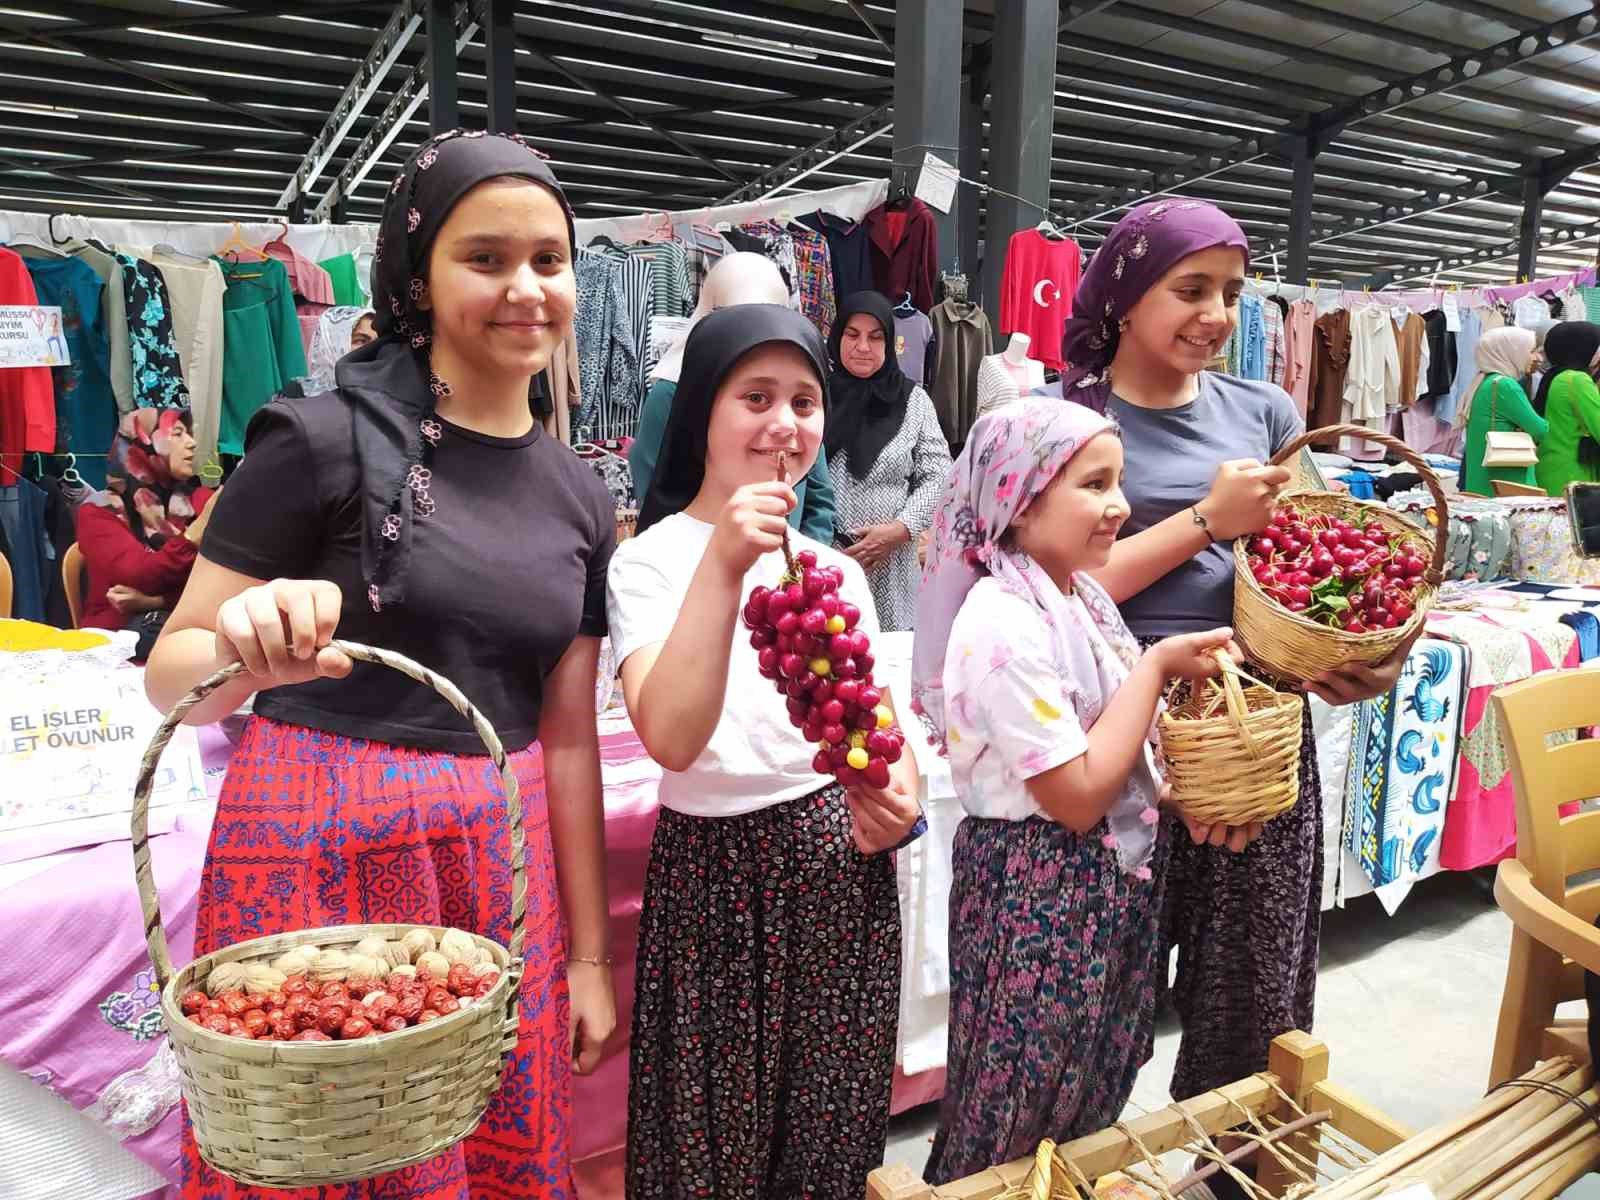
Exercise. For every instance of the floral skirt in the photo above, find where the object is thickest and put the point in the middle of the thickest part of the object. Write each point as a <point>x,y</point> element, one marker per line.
<point>767,1001</point>
<point>312,830</point>
<point>1053,981</point>
<point>1247,929</point>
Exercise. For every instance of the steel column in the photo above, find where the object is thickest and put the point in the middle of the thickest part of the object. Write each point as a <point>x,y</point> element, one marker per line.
<point>444,88</point>
<point>927,100</point>
<point>1301,195</point>
<point>500,36</point>
<point>1533,193</point>
<point>1021,128</point>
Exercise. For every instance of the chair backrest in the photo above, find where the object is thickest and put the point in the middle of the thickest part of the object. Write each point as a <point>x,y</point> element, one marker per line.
<point>5,587</point>
<point>1504,487</point>
<point>72,583</point>
<point>1546,778</point>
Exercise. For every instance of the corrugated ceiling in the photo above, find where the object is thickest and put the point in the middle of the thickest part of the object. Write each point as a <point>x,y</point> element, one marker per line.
<point>204,109</point>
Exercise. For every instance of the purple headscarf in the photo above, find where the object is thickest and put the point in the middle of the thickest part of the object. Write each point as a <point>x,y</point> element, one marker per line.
<point>1011,456</point>
<point>1146,244</point>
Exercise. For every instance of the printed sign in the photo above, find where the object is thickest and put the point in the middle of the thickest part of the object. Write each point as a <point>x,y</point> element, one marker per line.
<point>70,750</point>
<point>936,183</point>
<point>31,336</point>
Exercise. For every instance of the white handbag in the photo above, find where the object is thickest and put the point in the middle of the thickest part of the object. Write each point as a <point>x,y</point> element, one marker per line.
<point>1508,448</point>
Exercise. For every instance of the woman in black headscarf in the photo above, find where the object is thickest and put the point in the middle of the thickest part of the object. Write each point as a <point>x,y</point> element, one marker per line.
<point>887,455</point>
<point>770,919</point>
<point>1569,400</point>
<point>421,507</point>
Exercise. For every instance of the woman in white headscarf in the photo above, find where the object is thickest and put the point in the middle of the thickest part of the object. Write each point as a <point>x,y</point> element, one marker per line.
<point>738,278</point>
<point>1498,404</point>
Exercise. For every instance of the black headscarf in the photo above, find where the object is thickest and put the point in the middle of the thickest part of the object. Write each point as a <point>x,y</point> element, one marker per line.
<point>390,385</point>
<point>1569,346</point>
<point>715,346</point>
<point>866,413</point>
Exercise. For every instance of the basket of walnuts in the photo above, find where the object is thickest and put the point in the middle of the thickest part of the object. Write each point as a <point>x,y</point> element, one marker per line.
<point>329,1055</point>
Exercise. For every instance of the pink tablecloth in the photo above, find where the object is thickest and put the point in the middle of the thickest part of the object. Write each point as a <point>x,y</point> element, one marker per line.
<point>80,1002</point>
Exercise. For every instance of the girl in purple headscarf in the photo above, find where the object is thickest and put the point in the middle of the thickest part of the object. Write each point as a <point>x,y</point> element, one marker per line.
<point>1031,683</point>
<point>1155,308</point>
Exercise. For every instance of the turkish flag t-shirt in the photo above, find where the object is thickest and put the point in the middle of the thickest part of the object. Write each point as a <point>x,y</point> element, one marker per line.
<point>1036,291</point>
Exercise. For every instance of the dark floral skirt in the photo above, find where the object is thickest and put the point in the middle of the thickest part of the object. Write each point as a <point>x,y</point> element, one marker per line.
<point>1053,983</point>
<point>767,1001</point>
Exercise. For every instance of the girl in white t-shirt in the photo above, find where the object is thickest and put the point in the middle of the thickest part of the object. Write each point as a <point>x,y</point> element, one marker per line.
<point>1029,679</point>
<point>769,943</point>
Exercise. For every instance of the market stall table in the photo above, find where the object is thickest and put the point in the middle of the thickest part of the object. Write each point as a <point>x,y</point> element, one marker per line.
<point>83,1010</point>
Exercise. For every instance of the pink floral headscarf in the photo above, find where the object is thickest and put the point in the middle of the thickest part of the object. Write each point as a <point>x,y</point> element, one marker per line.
<point>1011,456</point>
<point>139,481</point>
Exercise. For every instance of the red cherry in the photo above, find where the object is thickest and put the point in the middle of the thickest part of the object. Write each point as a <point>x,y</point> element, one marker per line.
<point>847,776</point>
<point>806,558</point>
<point>797,596</point>
<point>1401,609</point>
<point>777,605</point>
<point>870,697</point>
<point>850,613</point>
<point>848,690</point>
<point>1291,546</point>
<point>767,659</point>
<point>1321,564</point>
<point>845,669</point>
<point>792,665</point>
<point>1329,538</point>
<point>860,644</point>
<point>763,635</point>
<point>1301,595</point>
<point>864,664</point>
<point>811,731</point>
<point>878,743</point>
<point>840,647</point>
<point>832,712</point>
<point>838,756</point>
<point>1264,546</point>
<point>1414,566</point>
<point>834,734</point>
<point>814,621</point>
<point>866,720</point>
<point>877,773</point>
<point>788,623</point>
<point>1345,557</point>
<point>814,582</point>
<point>1301,579</point>
<point>892,754</point>
<point>821,763</point>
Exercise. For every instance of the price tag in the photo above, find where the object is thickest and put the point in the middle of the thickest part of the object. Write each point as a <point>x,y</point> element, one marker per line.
<point>936,183</point>
<point>1452,314</point>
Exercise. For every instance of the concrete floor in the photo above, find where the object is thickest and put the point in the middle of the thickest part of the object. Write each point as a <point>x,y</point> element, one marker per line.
<point>1407,1005</point>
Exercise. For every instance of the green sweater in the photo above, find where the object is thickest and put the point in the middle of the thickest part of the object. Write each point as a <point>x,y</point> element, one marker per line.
<point>814,516</point>
<point>1572,407</point>
<point>1511,410</point>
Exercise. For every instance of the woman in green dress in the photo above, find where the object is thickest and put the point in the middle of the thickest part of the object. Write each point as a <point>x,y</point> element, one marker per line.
<point>1569,401</point>
<point>1498,403</point>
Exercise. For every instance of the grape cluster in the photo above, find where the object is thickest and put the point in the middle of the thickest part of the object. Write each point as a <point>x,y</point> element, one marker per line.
<point>807,642</point>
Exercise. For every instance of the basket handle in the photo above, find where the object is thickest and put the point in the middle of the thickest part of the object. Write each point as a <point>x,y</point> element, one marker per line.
<point>1233,696</point>
<point>155,935</point>
<point>1435,573</point>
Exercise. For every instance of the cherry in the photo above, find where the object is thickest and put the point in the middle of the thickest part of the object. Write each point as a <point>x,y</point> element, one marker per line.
<point>1301,595</point>
<point>821,763</point>
<point>814,621</point>
<point>840,647</point>
<point>832,712</point>
<point>788,623</point>
<point>815,583</point>
<point>877,773</point>
<point>1263,546</point>
<point>850,613</point>
<point>848,690</point>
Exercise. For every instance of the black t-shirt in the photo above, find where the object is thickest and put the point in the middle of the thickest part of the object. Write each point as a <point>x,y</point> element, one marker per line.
<point>506,572</point>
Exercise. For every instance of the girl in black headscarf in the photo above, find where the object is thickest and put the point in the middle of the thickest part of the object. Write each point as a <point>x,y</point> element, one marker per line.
<point>1569,400</point>
<point>769,943</point>
<point>887,455</point>
<point>419,506</point>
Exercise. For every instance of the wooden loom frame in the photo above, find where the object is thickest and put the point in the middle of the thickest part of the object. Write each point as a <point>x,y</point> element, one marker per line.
<point>1297,1065</point>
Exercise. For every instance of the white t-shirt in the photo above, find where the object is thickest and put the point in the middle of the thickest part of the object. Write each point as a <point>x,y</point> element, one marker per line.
<point>756,758</point>
<point>1011,713</point>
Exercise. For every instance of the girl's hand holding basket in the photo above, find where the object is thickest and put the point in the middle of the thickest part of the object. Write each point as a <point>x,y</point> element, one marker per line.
<point>281,632</point>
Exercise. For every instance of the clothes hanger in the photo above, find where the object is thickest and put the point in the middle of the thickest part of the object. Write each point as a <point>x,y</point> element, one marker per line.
<point>905,307</point>
<point>70,475</point>
<point>236,245</point>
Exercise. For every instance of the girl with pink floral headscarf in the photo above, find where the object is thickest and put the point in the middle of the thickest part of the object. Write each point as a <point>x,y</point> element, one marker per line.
<point>1030,682</point>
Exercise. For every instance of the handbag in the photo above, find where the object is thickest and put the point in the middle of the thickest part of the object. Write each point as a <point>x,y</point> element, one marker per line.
<point>1510,448</point>
<point>1583,511</point>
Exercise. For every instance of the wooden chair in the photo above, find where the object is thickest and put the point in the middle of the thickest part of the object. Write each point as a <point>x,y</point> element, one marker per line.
<point>72,582</point>
<point>5,587</point>
<point>1503,487</point>
<point>1554,937</point>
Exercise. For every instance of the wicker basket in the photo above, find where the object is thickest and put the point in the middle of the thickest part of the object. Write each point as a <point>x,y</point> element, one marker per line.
<point>1292,646</point>
<point>299,1114</point>
<point>1238,765</point>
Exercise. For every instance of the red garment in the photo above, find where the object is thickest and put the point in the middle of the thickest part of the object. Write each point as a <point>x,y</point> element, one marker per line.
<point>113,554</point>
<point>1036,292</point>
<point>905,251</point>
<point>27,395</point>
<point>315,830</point>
